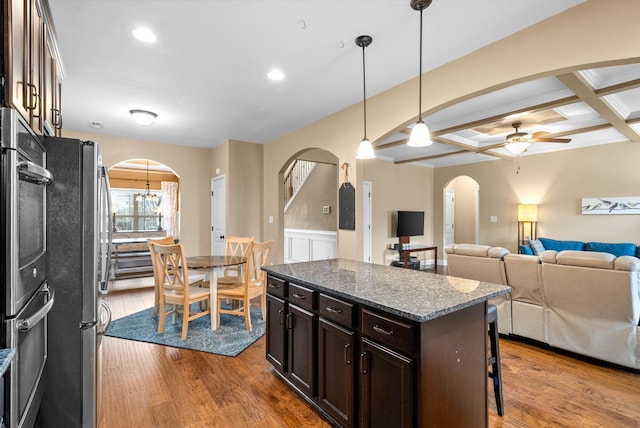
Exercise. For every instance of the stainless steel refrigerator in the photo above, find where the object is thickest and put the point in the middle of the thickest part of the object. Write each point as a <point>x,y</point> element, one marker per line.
<point>79,241</point>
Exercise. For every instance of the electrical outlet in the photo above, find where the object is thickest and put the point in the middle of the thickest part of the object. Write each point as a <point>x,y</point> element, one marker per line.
<point>493,219</point>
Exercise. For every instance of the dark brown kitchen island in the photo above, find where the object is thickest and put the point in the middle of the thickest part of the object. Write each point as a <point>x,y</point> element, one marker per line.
<point>371,345</point>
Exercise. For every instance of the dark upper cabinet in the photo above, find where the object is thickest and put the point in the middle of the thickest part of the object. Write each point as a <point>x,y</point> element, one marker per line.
<point>32,65</point>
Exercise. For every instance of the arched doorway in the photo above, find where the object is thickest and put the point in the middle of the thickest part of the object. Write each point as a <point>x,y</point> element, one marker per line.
<point>309,184</point>
<point>144,196</point>
<point>461,202</point>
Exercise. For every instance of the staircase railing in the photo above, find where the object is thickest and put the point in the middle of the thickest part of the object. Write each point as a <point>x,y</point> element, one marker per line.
<point>294,178</point>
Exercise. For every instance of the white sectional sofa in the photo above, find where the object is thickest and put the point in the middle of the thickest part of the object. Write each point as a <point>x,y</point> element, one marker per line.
<point>581,301</point>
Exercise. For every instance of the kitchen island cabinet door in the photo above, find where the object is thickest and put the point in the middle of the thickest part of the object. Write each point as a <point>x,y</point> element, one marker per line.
<point>276,333</point>
<point>336,379</point>
<point>386,387</point>
<point>301,361</point>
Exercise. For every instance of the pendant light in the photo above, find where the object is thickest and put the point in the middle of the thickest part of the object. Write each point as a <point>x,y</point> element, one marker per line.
<point>420,133</point>
<point>148,196</point>
<point>365,149</point>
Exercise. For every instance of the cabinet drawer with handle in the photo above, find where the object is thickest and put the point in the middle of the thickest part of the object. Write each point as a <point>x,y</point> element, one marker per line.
<point>301,296</point>
<point>392,333</point>
<point>276,287</point>
<point>335,310</point>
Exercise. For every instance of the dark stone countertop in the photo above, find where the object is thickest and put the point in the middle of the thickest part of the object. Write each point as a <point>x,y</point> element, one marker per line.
<point>414,295</point>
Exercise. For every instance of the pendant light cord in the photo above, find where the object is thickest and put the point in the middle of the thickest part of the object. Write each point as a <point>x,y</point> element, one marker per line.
<point>420,74</point>
<point>364,93</point>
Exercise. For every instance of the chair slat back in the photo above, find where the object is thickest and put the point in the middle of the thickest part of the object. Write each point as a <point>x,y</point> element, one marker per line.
<point>238,246</point>
<point>174,274</point>
<point>260,254</point>
<point>157,271</point>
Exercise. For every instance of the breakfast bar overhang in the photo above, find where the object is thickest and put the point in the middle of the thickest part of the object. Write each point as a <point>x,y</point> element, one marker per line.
<point>370,345</point>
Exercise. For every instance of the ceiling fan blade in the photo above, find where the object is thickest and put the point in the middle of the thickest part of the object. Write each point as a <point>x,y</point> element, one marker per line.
<point>539,134</point>
<point>549,140</point>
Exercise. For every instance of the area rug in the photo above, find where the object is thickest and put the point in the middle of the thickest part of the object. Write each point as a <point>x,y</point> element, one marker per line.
<point>230,339</point>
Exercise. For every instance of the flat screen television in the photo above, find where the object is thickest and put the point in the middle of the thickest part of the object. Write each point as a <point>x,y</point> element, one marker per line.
<point>410,223</point>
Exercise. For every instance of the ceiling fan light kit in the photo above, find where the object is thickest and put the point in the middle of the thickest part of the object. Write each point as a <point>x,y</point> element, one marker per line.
<point>365,149</point>
<point>420,132</point>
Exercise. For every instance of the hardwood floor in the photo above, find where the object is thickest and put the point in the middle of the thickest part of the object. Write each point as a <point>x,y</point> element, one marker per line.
<point>149,385</point>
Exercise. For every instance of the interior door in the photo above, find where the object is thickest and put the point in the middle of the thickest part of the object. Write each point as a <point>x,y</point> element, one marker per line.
<point>218,215</point>
<point>449,224</point>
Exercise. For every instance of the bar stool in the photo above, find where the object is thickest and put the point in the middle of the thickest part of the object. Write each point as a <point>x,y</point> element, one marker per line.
<point>494,357</point>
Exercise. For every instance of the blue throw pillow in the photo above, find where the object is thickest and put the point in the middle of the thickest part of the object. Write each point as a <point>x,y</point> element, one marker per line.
<point>558,245</point>
<point>525,249</point>
<point>536,247</point>
<point>621,249</point>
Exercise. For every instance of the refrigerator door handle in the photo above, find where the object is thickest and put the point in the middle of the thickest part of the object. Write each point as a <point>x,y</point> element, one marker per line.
<point>106,188</point>
<point>103,327</point>
<point>27,323</point>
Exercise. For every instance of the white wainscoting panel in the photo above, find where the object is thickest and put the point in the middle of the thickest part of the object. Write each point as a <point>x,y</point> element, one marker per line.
<point>301,245</point>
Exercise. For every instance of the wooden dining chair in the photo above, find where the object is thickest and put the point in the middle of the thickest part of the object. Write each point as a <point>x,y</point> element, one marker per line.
<point>176,290</point>
<point>157,270</point>
<point>235,246</point>
<point>260,255</point>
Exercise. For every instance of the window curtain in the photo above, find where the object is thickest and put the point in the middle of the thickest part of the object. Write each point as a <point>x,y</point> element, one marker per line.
<point>170,207</point>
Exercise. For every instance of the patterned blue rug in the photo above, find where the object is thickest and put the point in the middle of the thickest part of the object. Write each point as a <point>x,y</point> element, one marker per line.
<point>230,339</point>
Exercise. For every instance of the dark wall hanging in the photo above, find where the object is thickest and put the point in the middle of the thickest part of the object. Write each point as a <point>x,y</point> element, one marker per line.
<point>347,202</point>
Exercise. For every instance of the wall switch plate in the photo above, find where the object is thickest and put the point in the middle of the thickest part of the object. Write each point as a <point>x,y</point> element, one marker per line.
<point>493,219</point>
<point>326,209</point>
<point>271,219</point>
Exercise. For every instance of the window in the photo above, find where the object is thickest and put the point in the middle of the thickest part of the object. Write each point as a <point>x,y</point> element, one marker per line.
<point>131,213</point>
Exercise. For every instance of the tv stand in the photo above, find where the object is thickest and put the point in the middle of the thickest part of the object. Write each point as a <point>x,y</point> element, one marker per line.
<point>405,248</point>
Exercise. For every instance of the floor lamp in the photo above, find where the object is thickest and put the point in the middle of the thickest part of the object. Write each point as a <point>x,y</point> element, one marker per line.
<point>527,223</point>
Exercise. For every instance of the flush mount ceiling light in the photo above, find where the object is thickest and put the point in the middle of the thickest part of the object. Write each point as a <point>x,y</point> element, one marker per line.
<point>420,133</point>
<point>143,117</point>
<point>144,35</point>
<point>365,149</point>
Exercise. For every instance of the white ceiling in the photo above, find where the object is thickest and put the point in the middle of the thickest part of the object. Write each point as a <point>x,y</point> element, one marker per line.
<point>205,77</point>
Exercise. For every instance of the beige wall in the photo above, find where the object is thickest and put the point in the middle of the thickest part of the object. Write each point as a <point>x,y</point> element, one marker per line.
<point>190,164</point>
<point>395,187</point>
<point>244,189</point>
<point>556,182</point>
<point>319,190</point>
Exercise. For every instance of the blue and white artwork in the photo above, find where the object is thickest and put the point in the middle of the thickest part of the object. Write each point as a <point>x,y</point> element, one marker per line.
<point>621,205</point>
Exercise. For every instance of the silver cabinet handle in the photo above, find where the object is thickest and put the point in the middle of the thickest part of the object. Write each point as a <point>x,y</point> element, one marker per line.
<point>299,295</point>
<point>333,310</point>
<point>28,323</point>
<point>34,172</point>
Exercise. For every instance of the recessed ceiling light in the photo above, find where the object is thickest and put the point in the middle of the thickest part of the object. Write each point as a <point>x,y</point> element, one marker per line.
<point>275,74</point>
<point>144,35</point>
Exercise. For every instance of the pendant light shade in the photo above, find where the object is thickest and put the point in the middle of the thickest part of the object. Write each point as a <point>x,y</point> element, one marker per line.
<point>365,149</point>
<point>420,133</point>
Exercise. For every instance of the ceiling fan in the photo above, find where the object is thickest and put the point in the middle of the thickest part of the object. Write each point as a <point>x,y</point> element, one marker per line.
<point>517,142</point>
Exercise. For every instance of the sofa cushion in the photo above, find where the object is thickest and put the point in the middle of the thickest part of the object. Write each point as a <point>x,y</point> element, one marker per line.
<point>621,249</point>
<point>549,256</point>
<point>472,250</point>
<point>536,247</point>
<point>497,252</point>
<point>627,263</point>
<point>586,259</point>
<point>559,245</point>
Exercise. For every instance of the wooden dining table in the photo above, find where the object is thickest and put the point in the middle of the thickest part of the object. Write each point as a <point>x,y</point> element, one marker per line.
<point>209,264</point>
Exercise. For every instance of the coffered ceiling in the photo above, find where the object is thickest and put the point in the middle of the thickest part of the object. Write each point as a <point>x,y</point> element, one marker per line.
<point>589,107</point>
